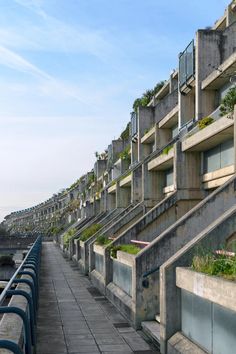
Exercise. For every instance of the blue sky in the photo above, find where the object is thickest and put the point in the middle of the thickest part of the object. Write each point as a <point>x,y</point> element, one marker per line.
<point>70,71</point>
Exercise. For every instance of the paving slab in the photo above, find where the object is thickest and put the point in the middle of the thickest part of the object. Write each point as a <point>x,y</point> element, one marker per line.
<point>71,320</point>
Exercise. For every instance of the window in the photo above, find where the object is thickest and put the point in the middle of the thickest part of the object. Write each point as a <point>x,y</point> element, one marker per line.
<point>220,156</point>
<point>169,177</point>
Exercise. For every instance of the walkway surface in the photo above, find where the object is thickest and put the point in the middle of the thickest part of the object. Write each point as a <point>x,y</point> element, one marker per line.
<point>75,318</point>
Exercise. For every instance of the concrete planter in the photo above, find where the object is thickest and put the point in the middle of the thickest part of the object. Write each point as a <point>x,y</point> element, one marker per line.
<point>125,258</point>
<point>99,249</point>
<point>215,289</point>
<point>82,244</point>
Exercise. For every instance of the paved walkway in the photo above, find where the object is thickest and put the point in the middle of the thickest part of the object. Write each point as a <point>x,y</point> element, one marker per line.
<point>75,318</point>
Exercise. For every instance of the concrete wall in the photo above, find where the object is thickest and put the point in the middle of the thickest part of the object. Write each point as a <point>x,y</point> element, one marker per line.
<point>210,238</point>
<point>177,235</point>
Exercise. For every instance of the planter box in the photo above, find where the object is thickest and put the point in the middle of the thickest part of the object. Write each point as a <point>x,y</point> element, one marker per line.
<point>81,243</point>
<point>215,289</point>
<point>99,249</point>
<point>125,258</point>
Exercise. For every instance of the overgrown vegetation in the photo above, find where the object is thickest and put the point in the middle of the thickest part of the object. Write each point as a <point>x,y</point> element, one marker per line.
<point>216,264</point>
<point>68,235</point>
<point>6,260</point>
<point>128,248</point>
<point>102,240</point>
<point>125,154</point>
<point>55,230</point>
<point>204,122</point>
<point>228,102</point>
<point>167,149</point>
<point>147,96</point>
<point>90,231</point>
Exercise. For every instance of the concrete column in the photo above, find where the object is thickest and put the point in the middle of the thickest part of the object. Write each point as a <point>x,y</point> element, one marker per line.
<point>187,172</point>
<point>207,58</point>
<point>136,185</point>
<point>145,122</point>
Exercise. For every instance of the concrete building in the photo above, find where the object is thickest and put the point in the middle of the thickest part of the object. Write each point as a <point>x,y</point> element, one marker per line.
<point>166,186</point>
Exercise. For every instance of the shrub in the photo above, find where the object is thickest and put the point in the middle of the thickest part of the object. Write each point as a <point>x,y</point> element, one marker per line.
<point>167,149</point>
<point>102,240</point>
<point>204,122</point>
<point>68,235</point>
<point>129,248</point>
<point>228,102</point>
<point>219,265</point>
<point>147,96</point>
<point>125,154</point>
<point>90,231</point>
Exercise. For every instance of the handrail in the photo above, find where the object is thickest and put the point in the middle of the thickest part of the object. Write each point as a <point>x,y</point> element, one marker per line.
<point>32,263</point>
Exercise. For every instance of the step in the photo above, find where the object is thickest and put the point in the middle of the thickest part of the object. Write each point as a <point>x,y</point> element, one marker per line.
<point>152,331</point>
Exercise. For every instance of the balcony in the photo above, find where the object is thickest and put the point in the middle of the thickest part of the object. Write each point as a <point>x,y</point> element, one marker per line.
<point>221,75</point>
<point>165,106</point>
<point>126,181</point>
<point>149,137</point>
<point>162,161</point>
<point>171,119</point>
<point>210,136</point>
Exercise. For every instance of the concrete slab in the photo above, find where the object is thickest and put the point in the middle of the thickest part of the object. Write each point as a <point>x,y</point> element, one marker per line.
<point>71,321</point>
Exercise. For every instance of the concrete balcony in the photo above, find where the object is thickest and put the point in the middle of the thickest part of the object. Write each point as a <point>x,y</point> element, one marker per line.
<point>162,162</point>
<point>126,181</point>
<point>149,137</point>
<point>170,119</point>
<point>112,189</point>
<point>166,105</point>
<point>221,75</point>
<point>210,136</point>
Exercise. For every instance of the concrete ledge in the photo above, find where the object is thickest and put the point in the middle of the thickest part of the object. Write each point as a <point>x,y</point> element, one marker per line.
<point>179,344</point>
<point>149,137</point>
<point>223,172</point>
<point>112,189</point>
<point>216,182</point>
<point>162,162</point>
<point>210,136</point>
<point>125,182</point>
<point>218,77</point>
<point>170,119</point>
<point>99,249</point>
<point>211,288</point>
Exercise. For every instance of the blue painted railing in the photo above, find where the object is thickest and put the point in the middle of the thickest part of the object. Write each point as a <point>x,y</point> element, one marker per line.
<point>30,268</point>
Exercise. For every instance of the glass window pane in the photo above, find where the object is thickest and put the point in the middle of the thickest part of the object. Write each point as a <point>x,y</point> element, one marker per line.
<point>227,153</point>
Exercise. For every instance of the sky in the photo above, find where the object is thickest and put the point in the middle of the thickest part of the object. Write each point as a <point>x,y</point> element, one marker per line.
<point>69,73</point>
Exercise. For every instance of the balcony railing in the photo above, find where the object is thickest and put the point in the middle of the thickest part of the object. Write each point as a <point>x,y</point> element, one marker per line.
<point>187,64</point>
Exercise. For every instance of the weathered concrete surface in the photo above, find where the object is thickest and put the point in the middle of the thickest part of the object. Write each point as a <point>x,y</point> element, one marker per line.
<point>211,238</point>
<point>74,317</point>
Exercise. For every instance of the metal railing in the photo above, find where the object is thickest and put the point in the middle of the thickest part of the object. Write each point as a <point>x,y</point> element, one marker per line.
<point>187,64</point>
<point>30,268</point>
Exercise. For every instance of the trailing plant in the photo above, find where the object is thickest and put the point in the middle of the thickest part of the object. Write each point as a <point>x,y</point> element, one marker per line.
<point>68,235</point>
<point>167,149</point>
<point>128,248</point>
<point>228,102</point>
<point>204,122</point>
<point>102,240</point>
<point>90,231</point>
